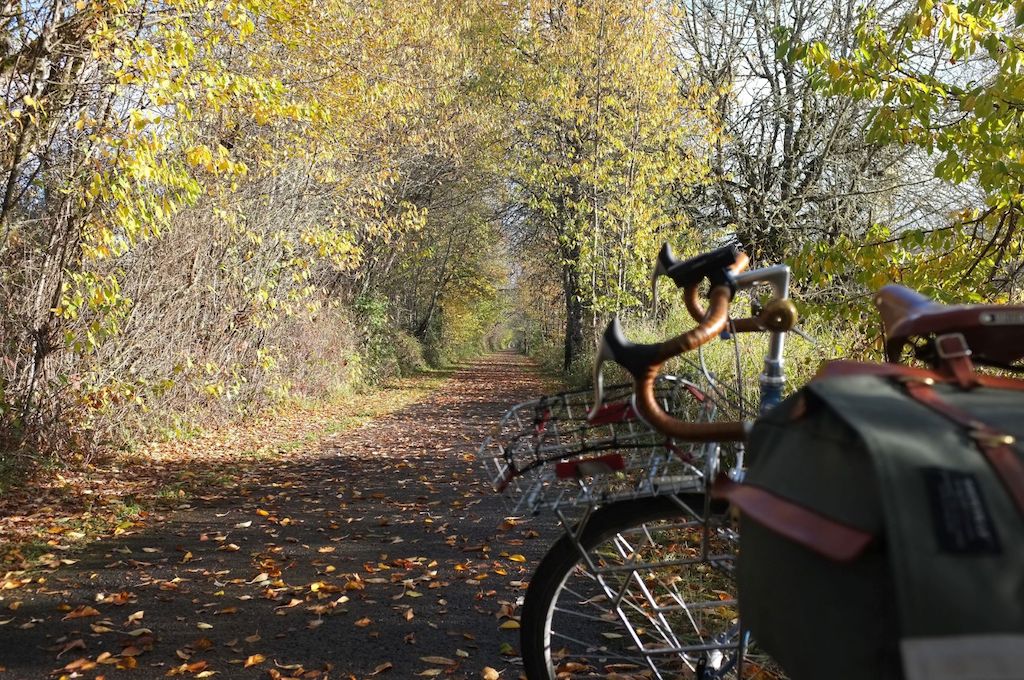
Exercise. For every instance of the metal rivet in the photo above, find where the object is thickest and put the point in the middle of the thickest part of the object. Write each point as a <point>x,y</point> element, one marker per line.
<point>989,438</point>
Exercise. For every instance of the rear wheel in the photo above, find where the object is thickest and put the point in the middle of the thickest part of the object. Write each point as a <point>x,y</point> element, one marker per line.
<point>643,591</point>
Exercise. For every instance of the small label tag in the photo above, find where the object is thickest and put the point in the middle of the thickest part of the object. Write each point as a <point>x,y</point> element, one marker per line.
<point>960,516</point>
<point>967,657</point>
<point>1002,318</point>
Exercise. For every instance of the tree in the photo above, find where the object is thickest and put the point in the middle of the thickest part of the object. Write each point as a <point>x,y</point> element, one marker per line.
<point>945,78</point>
<point>602,136</point>
<point>229,175</point>
<point>794,165</point>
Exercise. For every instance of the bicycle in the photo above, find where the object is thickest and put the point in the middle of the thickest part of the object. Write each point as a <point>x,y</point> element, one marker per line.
<point>639,585</point>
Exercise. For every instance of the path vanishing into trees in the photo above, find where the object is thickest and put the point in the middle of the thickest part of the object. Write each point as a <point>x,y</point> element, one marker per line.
<point>379,551</point>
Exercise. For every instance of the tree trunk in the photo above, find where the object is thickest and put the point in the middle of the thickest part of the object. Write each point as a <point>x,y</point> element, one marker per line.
<point>573,314</point>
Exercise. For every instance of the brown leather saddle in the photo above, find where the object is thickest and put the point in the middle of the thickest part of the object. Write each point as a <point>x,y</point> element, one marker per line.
<point>988,334</point>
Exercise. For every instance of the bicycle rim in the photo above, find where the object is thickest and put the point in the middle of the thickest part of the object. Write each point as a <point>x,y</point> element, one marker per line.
<point>643,591</point>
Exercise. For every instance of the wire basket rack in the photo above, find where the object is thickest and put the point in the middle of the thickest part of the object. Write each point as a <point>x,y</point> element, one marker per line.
<point>546,454</point>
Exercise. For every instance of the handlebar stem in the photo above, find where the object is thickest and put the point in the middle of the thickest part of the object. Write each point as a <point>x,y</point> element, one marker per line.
<point>773,379</point>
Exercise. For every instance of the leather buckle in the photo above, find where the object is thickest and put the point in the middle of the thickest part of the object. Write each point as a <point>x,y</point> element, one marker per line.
<point>952,346</point>
<point>917,380</point>
<point>987,437</point>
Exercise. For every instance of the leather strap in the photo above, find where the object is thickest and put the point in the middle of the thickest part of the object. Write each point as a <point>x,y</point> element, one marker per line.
<point>598,465</point>
<point>616,412</point>
<point>681,453</point>
<point>695,392</point>
<point>838,542</point>
<point>955,356</point>
<point>841,542</point>
<point>995,446</point>
<point>836,369</point>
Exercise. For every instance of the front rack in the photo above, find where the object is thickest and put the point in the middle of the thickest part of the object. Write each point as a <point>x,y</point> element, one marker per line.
<point>547,455</point>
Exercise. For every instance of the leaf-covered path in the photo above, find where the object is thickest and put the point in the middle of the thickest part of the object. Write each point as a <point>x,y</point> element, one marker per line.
<point>377,551</point>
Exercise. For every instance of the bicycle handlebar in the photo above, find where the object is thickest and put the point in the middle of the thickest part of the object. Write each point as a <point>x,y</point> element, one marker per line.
<point>718,265</point>
<point>644,361</point>
<point>714,265</point>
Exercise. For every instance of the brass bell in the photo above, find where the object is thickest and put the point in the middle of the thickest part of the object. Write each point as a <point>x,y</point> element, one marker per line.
<point>779,315</point>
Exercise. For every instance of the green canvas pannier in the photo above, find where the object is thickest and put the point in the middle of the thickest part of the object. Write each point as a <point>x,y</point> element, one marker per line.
<point>882,528</point>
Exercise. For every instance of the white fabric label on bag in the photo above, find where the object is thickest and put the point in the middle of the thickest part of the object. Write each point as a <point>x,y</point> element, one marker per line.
<point>964,657</point>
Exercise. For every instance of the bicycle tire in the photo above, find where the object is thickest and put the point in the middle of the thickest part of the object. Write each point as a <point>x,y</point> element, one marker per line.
<point>569,629</point>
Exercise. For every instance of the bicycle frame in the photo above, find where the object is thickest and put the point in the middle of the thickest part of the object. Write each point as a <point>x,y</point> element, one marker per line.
<point>772,380</point>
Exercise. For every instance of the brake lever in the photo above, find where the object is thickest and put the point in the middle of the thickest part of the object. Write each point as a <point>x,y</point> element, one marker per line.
<point>604,354</point>
<point>633,357</point>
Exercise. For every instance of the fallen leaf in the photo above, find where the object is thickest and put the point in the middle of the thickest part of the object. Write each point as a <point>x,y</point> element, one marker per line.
<point>364,622</point>
<point>439,660</point>
<point>255,660</point>
<point>74,644</point>
<point>127,663</point>
<point>489,673</point>
<point>382,668</point>
<point>82,664</point>
<point>194,667</point>
<point>81,613</point>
